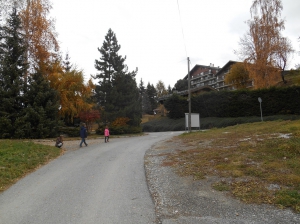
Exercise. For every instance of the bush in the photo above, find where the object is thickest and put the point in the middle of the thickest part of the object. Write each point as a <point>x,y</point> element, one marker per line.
<point>240,103</point>
<point>69,131</point>
<point>119,130</point>
<point>167,124</point>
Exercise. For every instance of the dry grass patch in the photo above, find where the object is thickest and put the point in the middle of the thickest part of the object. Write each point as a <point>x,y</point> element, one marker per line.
<point>253,156</point>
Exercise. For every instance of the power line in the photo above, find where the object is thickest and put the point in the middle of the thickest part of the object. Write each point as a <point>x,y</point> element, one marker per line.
<point>182,28</point>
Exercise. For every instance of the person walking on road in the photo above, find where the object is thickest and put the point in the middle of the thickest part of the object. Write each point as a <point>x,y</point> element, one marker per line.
<point>83,134</point>
<point>106,134</point>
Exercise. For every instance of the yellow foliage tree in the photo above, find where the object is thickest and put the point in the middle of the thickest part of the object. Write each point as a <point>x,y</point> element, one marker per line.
<point>263,48</point>
<point>238,76</point>
<point>40,35</point>
<point>75,96</point>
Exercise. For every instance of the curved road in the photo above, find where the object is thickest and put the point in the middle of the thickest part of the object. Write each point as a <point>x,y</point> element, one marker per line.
<point>103,183</point>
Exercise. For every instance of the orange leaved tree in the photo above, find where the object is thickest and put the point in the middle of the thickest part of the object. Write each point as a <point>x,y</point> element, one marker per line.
<point>263,49</point>
<point>75,95</point>
<point>89,117</point>
<point>40,35</point>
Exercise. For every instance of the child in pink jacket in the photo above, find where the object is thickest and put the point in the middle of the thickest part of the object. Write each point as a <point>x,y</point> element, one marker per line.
<point>106,134</point>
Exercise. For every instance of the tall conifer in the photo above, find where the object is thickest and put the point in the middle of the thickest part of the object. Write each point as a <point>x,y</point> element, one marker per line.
<point>117,92</point>
<point>12,68</point>
<point>41,112</point>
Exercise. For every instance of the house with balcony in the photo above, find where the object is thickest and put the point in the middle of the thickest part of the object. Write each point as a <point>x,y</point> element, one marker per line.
<point>220,77</point>
<point>202,75</point>
<point>212,76</point>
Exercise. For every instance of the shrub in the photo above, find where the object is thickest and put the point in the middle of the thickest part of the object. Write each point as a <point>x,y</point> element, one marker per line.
<point>69,131</point>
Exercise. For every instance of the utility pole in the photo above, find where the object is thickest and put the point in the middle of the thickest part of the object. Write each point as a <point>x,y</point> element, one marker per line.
<point>189,97</point>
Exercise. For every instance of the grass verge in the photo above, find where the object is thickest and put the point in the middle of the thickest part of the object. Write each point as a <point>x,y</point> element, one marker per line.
<point>257,162</point>
<point>18,158</point>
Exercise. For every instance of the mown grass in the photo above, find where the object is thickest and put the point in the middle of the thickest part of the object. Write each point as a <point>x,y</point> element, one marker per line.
<point>257,163</point>
<point>18,158</point>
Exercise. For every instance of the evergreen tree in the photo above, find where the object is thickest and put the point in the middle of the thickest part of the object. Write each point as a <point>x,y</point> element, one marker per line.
<point>146,106</point>
<point>142,87</point>
<point>181,85</point>
<point>41,112</point>
<point>67,64</point>
<point>152,95</point>
<point>169,89</point>
<point>12,69</point>
<point>117,92</point>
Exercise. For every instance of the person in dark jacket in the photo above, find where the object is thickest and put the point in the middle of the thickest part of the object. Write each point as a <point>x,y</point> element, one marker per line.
<point>83,135</point>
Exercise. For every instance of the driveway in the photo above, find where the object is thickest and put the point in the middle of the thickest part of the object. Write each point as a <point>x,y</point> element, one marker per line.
<point>102,183</point>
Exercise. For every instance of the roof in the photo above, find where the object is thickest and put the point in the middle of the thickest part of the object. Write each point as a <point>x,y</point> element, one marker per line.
<point>228,64</point>
<point>200,66</point>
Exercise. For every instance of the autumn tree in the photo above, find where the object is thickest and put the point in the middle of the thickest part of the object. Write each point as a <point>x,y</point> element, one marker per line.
<point>116,92</point>
<point>40,35</point>
<point>263,49</point>
<point>238,76</point>
<point>74,94</point>
<point>161,89</point>
<point>89,117</point>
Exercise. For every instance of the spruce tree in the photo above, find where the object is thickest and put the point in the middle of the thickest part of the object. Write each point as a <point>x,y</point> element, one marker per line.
<point>12,68</point>
<point>41,112</point>
<point>146,106</point>
<point>152,95</point>
<point>117,92</point>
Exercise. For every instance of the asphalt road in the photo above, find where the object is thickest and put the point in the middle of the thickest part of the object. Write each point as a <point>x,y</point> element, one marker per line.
<point>102,183</point>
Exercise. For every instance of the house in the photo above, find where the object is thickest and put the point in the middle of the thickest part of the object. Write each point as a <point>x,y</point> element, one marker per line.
<point>220,77</point>
<point>202,75</point>
<point>211,76</point>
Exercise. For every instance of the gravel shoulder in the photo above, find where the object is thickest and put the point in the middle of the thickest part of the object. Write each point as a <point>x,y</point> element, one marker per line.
<point>182,200</point>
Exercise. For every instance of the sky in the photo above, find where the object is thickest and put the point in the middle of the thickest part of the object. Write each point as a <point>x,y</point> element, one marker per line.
<point>158,36</point>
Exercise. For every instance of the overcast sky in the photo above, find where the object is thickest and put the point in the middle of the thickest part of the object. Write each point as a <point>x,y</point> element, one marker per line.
<point>157,37</point>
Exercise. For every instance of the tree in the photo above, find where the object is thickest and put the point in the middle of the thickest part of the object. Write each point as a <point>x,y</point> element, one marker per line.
<point>89,117</point>
<point>161,89</point>
<point>41,109</point>
<point>7,7</point>
<point>152,96</point>
<point>117,92</point>
<point>263,47</point>
<point>283,53</point>
<point>146,106</point>
<point>12,69</point>
<point>40,35</point>
<point>67,64</point>
<point>181,85</point>
<point>75,95</point>
<point>169,89</point>
<point>238,76</point>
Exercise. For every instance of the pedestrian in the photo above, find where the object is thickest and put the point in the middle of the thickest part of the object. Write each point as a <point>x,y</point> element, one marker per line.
<point>106,134</point>
<point>59,142</point>
<point>83,134</point>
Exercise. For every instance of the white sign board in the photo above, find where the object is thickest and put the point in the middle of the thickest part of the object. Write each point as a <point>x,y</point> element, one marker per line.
<point>195,120</point>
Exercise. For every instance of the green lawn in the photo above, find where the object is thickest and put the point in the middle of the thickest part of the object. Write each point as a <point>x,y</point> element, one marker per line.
<point>18,158</point>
